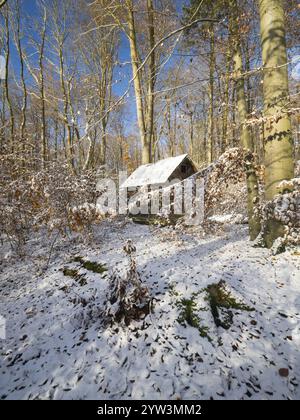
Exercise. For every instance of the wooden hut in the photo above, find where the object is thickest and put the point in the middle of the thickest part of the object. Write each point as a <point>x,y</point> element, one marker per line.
<point>162,172</point>
<point>155,177</point>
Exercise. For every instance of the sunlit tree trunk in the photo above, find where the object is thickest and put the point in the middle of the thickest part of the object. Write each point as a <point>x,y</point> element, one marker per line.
<point>246,136</point>
<point>146,147</point>
<point>225,137</point>
<point>18,44</point>
<point>7,93</point>
<point>247,144</point>
<point>107,69</point>
<point>277,132</point>
<point>212,64</point>
<point>169,130</point>
<point>69,144</point>
<point>2,3</point>
<point>42,92</point>
<point>151,78</point>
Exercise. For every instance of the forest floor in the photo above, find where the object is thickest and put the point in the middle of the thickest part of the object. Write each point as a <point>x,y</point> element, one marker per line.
<point>177,352</point>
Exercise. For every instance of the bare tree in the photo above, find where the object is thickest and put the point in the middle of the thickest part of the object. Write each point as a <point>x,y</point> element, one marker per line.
<point>2,3</point>
<point>7,90</point>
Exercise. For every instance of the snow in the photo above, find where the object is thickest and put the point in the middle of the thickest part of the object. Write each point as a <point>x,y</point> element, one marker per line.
<point>222,218</point>
<point>50,353</point>
<point>153,174</point>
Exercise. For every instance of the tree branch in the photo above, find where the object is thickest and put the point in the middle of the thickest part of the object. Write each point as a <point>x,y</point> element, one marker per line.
<point>2,3</point>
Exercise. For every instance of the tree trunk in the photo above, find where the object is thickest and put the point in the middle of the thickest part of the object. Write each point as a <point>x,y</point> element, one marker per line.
<point>225,139</point>
<point>103,145</point>
<point>169,128</point>
<point>278,136</point>
<point>212,63</point>
<point>247,143</point>
<point>22,76</point>
<point>69,150</point>
<point>146,147</point>
<point>7,93</point>
<point>151,77</point>
<point>42,92</point>
<point>246,138</point>
<point>2,3</point>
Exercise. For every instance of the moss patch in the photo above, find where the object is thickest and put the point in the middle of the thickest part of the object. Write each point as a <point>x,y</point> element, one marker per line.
<point>154,220</point>
<point>87,265</point>
<point>221,304</point>
<point>188,315</point>
<point>91,265</point>
<point>71,272</point>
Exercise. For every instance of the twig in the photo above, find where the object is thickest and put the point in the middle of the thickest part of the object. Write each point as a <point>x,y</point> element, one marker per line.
<point>50,253</point>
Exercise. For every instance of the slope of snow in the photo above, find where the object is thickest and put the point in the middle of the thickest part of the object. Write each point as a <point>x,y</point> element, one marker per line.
<point>49,353</point>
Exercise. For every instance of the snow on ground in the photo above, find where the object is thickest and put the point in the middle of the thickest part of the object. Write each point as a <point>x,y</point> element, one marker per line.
<point>50,354</point>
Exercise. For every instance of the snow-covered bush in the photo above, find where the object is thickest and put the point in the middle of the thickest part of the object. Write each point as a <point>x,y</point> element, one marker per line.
<point>52,197</point>
<point>285,209</point>
<point>128,298</point>
<point>227,171</point>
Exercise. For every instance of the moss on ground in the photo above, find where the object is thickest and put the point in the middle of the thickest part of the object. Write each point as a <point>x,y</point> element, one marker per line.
<point>71,272</point>
<point>91,265</point>
<point>222,302</point>
<point>87,265</point>
<point>154,220</point>
<point>188,315</point>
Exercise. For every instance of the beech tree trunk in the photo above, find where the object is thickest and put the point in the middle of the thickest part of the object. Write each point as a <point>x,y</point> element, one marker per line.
<point>146,147</point>
<point>277,131</point>
<point>42,92</point>
<point>246,139</point>
<point>151,79</point>
<point>247,144</point>
<point>225,139</point>
<point>7,93</point>
<point>212,65</point>
<point>2,3</point>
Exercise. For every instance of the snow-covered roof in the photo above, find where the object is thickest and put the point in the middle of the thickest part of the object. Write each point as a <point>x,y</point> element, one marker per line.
<point>155,173</point>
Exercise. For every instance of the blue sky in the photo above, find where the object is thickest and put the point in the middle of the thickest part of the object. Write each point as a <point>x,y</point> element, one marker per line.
<point>122,73</point>
<point>29,8</point>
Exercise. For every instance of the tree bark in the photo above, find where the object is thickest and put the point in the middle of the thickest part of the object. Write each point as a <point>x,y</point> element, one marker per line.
<point>2,3</point>
<point>69,151</point>
<point>22,76</point>
<point>247,144</point>
<point>7,93</point>
<point>246,137</point>
<point>151,78</point>
<point>225,139</point>
<point>42,92</point>
<point>278,136</point>
<point>146,147</point>
<point>212,63</point>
